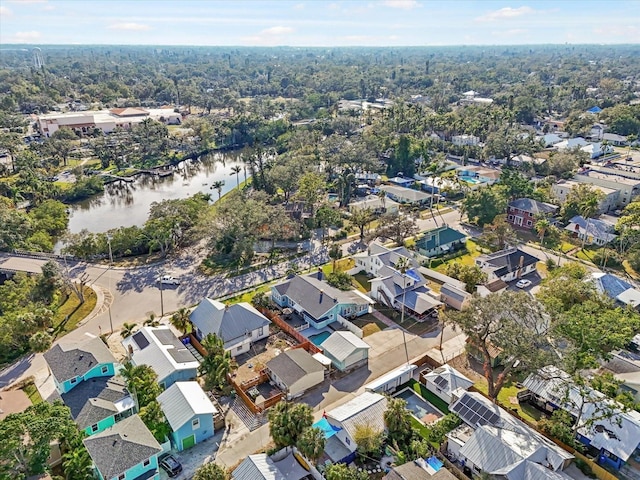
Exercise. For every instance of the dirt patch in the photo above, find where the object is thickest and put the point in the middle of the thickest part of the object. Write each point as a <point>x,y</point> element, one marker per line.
<point>116,347</point>
<point>469,368</point>
<point>250,365</point>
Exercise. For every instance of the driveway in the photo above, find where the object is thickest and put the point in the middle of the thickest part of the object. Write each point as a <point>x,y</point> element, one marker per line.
<point>196,456</point>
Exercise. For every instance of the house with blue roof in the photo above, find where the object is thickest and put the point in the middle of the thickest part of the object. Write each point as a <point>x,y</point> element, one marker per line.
<point>317,302</point>
<point>594,109</point>
<point>238,325</point>
<point>72,365</point>
<point>189,412</point>
<point>620,291</point>
<point>440,241</point>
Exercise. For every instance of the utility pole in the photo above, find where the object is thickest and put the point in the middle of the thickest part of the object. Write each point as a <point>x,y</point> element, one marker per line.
<point>110,266</point>
<point>402,266</point>
<point>161,299</point>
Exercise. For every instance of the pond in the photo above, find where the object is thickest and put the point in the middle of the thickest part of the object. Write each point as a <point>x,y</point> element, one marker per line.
<point>127,204</point>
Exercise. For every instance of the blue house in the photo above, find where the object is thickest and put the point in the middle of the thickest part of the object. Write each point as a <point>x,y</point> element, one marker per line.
<point>161,350</point>
<point>318,302</point>
<point>440,241</point>
<point>125,451</point>
<point>70,366</point>
<point>99,403</point>
<point>189,413</point>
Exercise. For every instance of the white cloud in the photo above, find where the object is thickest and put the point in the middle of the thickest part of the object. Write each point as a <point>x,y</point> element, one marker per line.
<point>506,13</point>
<point>5,12</point>
<point>401,4</point>
<point>28,1</point>
<point>298,6</point>
<point>48,8</point>
<point>130,26</point>
<point>26,37</point>
<point>280,30</point>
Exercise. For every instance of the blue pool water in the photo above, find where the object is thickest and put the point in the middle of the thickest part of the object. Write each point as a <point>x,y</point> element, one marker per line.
<point>319,338</point>
<point>471,180</point>
<point>434,463</point>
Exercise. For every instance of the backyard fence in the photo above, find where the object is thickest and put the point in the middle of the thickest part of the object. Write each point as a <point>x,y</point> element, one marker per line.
<point>285,327</point>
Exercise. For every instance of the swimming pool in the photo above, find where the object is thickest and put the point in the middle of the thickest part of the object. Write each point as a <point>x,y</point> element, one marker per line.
<point>419,407</point>
<point>319,338</point>
<point>471,180</point>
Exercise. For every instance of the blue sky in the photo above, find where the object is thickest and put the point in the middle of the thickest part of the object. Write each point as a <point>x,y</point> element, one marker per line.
<point>318,22</point>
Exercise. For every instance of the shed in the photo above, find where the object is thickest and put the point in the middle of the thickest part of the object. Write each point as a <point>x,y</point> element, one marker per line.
<point>444,380</point>
<point>346,350</point>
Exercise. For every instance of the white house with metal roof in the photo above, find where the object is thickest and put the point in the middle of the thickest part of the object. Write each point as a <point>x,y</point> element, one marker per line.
<point>345,350</point>
<point>159,348</point>
<point>491,439</point>
<point>605,426</point>
<point>283,465</point>
<point>341,423</point>
<point>445,380</point>
<point>189,412</point>
<point>238,325</point>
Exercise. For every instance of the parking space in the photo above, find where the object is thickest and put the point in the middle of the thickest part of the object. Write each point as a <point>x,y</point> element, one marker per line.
<point>196,456</point>
<point>531,288</point>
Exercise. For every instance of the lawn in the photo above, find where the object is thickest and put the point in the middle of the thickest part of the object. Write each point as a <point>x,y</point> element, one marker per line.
<point>32,392</point>
<point>71,312</point>
<point>369,324</point>
<point>361,282</point>
<point>248,296</point>
<point>430,397</point>
<point>508,392</point>
<point>468,258</point>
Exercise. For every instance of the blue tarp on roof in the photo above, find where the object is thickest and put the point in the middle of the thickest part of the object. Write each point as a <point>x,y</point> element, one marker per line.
<point>328,429</point>
<point>594,110</point>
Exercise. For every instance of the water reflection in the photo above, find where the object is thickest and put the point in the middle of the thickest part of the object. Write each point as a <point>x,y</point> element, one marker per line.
<point>127,204</point>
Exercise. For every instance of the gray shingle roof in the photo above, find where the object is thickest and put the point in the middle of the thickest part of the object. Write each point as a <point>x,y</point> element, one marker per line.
<point>182,401</point>
<point>533,206</point>
<point>342,344</point>
<point>508,260</point>
<point>122,446</point>
<point>68,362</point>
<point>94,400</point>
<point>293,365</point>
<point>316,296</point>
<point>227,322</point>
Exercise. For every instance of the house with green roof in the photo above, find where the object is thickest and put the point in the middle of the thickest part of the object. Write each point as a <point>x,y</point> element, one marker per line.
<point>440,241</point>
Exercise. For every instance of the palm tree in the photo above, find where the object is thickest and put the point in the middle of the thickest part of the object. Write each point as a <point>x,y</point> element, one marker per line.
<point>181,320</point>
<point>127,329</point>
<point>235,170</point>
<point>151,321</point>
<point>311,443</point>
<point>541,227</point>
<point>77,464</point>
<point>588,208</point>
<point>397,419</point>
<point>218,186</point>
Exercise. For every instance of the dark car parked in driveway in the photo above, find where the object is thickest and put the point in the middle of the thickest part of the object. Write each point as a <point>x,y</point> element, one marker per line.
<point>170,464</point>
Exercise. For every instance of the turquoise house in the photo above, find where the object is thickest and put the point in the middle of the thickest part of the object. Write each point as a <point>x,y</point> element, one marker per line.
<point>71,366</point>
<point>125,451</point>
<point>99,403</point>
<point>189,413</point>
<point>317,302</point>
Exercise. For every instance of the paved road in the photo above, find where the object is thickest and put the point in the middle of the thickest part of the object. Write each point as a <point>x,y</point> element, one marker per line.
<point>135,293</point>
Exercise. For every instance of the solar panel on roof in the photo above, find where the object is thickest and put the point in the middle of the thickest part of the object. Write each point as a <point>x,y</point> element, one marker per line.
<point>441,382</point>
<point>140,340</point>
<point>166,337</point>
<point>474,412</point>
<point>181,355</point>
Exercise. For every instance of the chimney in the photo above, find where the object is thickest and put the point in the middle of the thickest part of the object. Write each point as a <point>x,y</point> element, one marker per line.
<point>319,273</point>
<point>321,295</point>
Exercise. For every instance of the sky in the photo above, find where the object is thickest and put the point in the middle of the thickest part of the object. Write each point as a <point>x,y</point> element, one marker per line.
<point>319,23</point>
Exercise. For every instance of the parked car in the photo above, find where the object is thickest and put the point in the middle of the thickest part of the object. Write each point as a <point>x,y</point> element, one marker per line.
<point>170,464</point>
<point>523,283</point>
<point>169,280</point>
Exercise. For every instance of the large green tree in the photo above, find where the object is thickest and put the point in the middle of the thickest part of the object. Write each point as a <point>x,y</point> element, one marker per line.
<point>216,364</point>
<point>288,421</point>
<point>211,471</point>
<point>484,204</point>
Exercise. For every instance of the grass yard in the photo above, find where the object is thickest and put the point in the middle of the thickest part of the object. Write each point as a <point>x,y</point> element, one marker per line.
<point>32,392</point>
<point>509,392</point>
<point>410,324</point>
<point>369,324</point>
<point>71,312</point>
<point>430,397</point>
<point>248,296</point>
<point>361,282</point>
<point>468,258</point>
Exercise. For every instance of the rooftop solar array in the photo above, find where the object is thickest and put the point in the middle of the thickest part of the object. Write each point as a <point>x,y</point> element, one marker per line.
<point>165,336</point>
<point>441,382</point>
<point>181,355</point>
<point>140,340</point>
<point>474,412</point>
